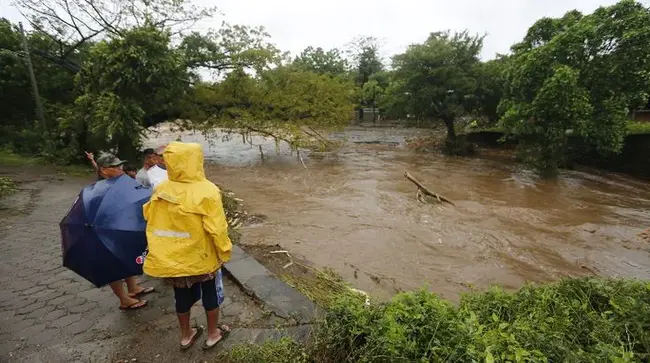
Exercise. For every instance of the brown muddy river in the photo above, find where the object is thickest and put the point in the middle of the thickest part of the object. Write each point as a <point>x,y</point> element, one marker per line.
<point>354,211</point>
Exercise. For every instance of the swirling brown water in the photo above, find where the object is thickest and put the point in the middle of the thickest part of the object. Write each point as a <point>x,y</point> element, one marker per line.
<point>354,211</point>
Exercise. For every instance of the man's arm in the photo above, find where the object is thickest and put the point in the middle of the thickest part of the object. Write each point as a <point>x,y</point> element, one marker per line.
<point>91,157</point>
<point>214,222</point>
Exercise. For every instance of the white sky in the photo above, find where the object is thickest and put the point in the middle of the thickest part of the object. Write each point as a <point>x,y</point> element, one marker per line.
<point>296,24</point>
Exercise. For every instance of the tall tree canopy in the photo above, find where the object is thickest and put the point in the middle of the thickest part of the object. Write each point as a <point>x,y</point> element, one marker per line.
<point>490,79</point>
<point>286,102</point>
<point>127,79</point>
<point>366,59</point>
<point>73,23</point>
<point>435,80</point>
<point>602,57</point>
<point>134,62</point>
<point>319,61</point>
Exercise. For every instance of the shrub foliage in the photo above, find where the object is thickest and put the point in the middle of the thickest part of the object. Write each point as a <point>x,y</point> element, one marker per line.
<point>573,320</point>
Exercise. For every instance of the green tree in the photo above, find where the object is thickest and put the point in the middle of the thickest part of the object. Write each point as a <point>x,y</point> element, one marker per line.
<point>372,94</point>
<point>286,102</point>
<point>56,88</point>
<point>319,61</point>
<point>490,79</point>
<point>366,60</point>
<point>124,81</point>
<point>435,79</point>
<point>606,54</point>
<point>15,94</point>
<point>73,23</point>
<point>229,48</point>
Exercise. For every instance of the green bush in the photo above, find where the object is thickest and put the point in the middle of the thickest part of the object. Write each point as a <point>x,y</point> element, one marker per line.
<point>7,186</point>
<point>573,320</point>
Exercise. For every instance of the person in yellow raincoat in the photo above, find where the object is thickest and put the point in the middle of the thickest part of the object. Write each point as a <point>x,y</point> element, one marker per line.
<point>188,240</point>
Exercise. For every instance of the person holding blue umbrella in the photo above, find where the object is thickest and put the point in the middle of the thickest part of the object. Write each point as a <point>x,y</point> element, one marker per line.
<point>103,236</point>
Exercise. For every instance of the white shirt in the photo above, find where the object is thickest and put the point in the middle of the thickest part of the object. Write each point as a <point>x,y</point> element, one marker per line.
<point>142,177</point>
<point>156,175</point>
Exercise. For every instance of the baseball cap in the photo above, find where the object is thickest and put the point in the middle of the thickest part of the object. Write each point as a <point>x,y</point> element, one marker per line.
<point>109,160</point>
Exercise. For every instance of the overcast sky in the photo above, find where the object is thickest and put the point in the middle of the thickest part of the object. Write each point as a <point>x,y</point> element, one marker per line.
<point>296,24</point>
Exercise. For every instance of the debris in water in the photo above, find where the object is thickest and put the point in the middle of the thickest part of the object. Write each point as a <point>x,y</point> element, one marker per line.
<point>288,255</point>
<point>422,191</point>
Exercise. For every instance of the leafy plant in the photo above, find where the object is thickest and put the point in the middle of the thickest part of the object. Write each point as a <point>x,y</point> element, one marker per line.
<point>7,186</point>
<point>579,74</point>
<point>573,320</point>
<point>436,80</point>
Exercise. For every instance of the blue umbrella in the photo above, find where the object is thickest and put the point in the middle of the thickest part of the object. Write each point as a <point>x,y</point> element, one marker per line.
<point>103,235</point>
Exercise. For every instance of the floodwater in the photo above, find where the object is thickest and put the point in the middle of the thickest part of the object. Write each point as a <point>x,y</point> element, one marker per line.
<point>354,211</point>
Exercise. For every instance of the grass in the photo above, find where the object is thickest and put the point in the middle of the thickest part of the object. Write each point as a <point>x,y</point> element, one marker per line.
<point>283,351</point>
<point>10,159</point>
<point>323,287</point>
<point>638,128</point>
<point>14,160</point>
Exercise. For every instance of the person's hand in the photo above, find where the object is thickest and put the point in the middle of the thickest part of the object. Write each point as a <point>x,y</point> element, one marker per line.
<point>90,156</point>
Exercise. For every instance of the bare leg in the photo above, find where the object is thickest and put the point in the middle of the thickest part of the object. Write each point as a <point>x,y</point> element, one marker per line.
<point>125,299</point>
<point>132,285</point>
<point>187,333</point>
<point>214,332</point>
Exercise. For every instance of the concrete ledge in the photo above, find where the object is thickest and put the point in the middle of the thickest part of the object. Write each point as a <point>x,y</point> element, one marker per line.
<point>283,300</point>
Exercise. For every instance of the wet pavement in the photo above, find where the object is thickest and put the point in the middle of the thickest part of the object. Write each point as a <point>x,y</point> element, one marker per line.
<point>49,314</point>
<point>353,210</point>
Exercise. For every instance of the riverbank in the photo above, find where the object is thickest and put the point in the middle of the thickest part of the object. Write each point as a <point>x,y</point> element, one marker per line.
<point>634,158</point>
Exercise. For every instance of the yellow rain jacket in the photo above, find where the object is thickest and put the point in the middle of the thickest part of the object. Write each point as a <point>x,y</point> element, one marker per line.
<point>187,230</point>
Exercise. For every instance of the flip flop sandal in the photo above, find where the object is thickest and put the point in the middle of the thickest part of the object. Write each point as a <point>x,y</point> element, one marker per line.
<point>224,335</point>
<point>147,290</point>
<point>199,331</point>
<point>135,305</point>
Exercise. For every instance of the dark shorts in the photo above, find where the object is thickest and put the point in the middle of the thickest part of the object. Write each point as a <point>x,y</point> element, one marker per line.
<point>210,292</point>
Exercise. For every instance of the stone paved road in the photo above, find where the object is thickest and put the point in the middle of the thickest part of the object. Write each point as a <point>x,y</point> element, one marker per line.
<point>49,314</point>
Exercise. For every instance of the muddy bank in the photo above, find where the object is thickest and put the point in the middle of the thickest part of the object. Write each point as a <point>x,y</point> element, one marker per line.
<point>353,211</point>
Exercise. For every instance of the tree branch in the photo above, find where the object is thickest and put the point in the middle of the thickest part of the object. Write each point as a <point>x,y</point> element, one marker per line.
<point>426,190</point>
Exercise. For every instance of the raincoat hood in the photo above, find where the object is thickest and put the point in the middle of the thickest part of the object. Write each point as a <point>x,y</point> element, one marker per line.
<point>187,230</point>
<point>184,162</point>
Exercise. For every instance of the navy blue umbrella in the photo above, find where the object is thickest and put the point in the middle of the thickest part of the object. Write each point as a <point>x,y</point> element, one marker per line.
<point>103,235</point>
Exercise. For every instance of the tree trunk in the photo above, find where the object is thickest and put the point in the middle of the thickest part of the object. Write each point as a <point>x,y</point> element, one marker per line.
<point>451,131</point>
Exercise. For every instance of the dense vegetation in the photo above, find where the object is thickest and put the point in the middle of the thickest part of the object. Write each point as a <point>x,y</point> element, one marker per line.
<point>580,75</point>
<point>107,70</point>
<point>575,320</point>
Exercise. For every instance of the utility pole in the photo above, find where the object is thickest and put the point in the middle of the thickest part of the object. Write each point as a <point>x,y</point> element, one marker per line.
<point>32,77</point>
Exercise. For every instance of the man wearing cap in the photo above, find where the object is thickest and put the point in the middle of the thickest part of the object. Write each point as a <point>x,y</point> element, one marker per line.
<point>110,166</point>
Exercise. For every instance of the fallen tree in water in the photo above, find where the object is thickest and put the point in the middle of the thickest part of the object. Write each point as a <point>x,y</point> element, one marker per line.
<point>426,191</point>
